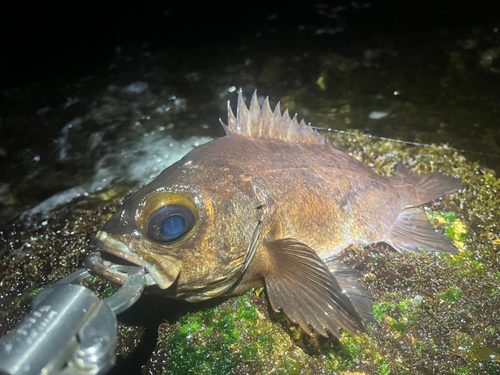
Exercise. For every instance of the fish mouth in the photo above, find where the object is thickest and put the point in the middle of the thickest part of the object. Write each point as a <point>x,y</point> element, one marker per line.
<point>107,243</point>
<point>115,272</point>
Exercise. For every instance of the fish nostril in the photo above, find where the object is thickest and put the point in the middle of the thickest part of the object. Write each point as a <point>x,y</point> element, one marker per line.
<point>118,224</point>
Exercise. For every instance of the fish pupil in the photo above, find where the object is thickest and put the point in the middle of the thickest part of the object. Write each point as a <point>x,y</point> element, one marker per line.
<point>173,226</point>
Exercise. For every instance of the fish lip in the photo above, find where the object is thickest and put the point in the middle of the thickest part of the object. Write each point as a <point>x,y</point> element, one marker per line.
<point>107,243</point>
<point>115,247</point>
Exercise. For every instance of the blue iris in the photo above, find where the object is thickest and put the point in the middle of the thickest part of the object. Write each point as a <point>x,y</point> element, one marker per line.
<point>173,226</point>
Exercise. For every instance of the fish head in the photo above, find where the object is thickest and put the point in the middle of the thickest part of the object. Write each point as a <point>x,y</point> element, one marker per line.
<point>189,228</point>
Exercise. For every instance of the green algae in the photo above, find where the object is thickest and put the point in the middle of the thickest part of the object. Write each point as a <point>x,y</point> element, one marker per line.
<point>384,369</point>
<point>109,290</point>
<point>102,288</point>
<point>290,367</point>
<point>195,360</point>
<point>454,228</point>
<point>255,341</point>
<point>399,315</point>
<point>231,335</point>
<point>452,295</point>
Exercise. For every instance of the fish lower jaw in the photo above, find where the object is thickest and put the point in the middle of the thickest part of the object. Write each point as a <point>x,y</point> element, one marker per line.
<point>113,272</point>
<point>119,249</point>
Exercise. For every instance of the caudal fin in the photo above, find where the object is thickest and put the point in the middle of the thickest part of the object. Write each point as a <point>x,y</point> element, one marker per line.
<point>412,230</point>
<point>422,189</point>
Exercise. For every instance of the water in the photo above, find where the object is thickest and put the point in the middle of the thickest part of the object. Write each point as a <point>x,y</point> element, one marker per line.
<point>118,152</point>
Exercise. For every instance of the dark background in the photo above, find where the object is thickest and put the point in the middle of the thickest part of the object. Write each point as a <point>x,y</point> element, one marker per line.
<point>40,40</point>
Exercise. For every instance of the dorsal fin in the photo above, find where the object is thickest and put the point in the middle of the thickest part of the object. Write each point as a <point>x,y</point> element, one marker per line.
<point>255,121</point>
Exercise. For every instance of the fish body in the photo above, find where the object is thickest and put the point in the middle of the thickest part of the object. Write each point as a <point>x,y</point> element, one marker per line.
<point>271,204</point>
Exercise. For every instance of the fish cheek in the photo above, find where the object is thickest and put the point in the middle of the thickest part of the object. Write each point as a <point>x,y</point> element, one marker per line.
<point>163,267</point>
<point>198,258</point>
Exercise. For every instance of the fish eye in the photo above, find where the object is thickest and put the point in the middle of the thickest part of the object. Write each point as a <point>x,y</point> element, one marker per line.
<point>173,226</point>
<point>170,224</point>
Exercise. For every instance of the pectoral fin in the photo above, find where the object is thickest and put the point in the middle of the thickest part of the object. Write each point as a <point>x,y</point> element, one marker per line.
<point>299,283</point>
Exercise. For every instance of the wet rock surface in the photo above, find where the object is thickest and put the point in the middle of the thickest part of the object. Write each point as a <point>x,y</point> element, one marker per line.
<point>72,149</point>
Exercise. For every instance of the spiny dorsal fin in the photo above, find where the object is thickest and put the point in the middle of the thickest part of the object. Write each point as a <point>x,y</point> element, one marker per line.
<point>255,121</point>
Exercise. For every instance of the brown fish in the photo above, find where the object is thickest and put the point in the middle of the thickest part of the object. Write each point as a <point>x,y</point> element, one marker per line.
<point>271,204</point>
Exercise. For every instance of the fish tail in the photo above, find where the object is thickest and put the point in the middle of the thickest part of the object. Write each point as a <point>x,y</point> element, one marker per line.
<point>412,230</point>
<point>418,190</point>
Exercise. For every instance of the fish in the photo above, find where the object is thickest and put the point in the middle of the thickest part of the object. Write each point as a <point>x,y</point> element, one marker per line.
<point>272,204</point>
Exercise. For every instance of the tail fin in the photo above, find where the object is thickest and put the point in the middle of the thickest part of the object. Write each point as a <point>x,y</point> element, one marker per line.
<point>422,189</point>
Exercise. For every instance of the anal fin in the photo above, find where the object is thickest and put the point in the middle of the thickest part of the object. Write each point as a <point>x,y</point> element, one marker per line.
<point>299,283</point>
<point>413,230</point>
